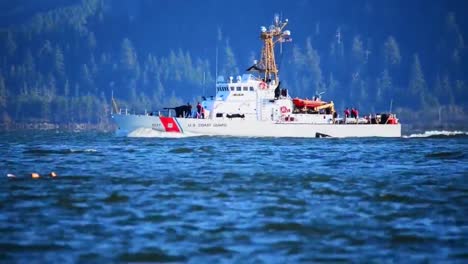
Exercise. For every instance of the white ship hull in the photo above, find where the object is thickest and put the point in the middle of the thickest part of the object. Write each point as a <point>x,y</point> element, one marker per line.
<point>129,125</point>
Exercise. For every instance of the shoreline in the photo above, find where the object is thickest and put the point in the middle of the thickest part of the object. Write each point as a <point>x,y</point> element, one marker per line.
<point>110,127</point>
<point>48,126</point>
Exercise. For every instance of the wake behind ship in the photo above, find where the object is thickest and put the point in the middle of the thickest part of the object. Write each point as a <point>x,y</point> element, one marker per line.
<point>255,105</point>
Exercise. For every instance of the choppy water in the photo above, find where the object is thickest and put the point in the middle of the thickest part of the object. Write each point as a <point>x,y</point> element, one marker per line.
<point>244,200</point>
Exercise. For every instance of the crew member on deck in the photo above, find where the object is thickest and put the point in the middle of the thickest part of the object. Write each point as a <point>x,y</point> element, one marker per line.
<point>200,111</point>
<point>346,112</point>
<point>199,107</point>
<point>188,112</point>
<point>354,113</point>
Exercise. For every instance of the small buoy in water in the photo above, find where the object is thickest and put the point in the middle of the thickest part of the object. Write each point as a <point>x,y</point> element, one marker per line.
<point>35,175</point>
<point>53,174</point>
<point>9,175</point>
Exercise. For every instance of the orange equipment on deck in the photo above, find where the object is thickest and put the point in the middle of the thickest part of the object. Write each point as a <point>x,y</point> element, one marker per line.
<point>301,103</point>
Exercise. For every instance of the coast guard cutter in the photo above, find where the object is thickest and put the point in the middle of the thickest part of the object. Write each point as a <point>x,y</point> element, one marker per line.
<point>255,105</point>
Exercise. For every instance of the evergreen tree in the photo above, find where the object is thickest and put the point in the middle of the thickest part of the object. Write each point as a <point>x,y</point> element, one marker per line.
<point>437,88</point>
<point>442,90</point>
<point>10,44</point>
<point>454,28</point>
<point>337,56</point>
<point>173,64</point>
<point>59,63</point>
<point>455,46</point>
<point>29,63</point>
<point>190,74</point>
<point>384,86</point>
<point>86,77</point>
<point>417,83</point>
<point>174,100</point>
<point>391,52</point>
<point>447,91</point>
<point>89,109</point>
<point>418,86</point>
<point>45,109</point>
<point>133,92</point>
<point>128,57</point>
<point>50,90</point>
<point>461,90</point>
<point>298,62</point>
<point>66,89</point>
<point>230,65</point>
<point>313,64</point>
<point>333,86</point>
<point>358,52</point>
<point>46,54</point>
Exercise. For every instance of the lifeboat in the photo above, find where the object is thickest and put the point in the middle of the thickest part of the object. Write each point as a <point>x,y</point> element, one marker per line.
<point>301,103</point>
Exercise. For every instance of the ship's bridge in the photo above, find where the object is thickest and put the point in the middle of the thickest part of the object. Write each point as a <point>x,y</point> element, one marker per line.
<point>241,96</point>
<point>242,88</point>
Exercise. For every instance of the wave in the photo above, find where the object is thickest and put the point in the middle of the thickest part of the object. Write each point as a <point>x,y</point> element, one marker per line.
<point>446,155</point>
<point>42,151</point>
<point>82,150</point>
<point>438,134</point>
<point>151,133</point>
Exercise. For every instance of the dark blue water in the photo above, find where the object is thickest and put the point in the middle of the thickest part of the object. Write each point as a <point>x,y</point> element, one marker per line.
<point>244,200</point>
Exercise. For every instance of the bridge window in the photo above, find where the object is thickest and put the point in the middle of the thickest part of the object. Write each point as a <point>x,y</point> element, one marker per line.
<point>232,88</point>
<point>251,88</point>
<point>238,88</point>
<point>245,88</point>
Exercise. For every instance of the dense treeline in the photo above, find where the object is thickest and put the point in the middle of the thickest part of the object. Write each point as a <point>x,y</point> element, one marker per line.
<point>62,65</point>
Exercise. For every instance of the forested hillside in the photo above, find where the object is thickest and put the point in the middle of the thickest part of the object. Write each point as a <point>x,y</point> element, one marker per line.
<point>61,60</point>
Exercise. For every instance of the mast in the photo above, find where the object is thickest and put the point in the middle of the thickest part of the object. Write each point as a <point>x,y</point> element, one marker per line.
<point>270,37</point>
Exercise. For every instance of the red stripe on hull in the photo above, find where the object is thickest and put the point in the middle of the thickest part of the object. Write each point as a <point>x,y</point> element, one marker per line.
<point>170,125</point>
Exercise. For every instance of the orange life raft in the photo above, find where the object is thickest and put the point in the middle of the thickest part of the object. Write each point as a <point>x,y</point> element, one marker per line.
<point>301,103</point>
